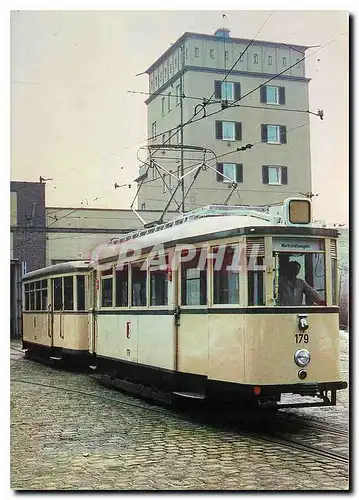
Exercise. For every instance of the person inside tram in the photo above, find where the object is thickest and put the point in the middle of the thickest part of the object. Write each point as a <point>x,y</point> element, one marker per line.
<point>292,289</point>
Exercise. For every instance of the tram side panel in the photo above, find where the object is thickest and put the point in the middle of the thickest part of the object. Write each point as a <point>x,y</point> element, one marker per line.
<point>156,341</point>
<point>70,331</point>
<point>193,344</point>
<point>117,337</point>
<point>36,328</point>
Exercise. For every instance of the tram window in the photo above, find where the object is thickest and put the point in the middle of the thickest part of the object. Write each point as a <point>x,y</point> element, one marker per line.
<point>139,275</point>
<point>57,283</point>
<point>44,299</point>
<point>159,288</point>
<point>68,293</point>
<point>255,282</point>
<point>225,282</point>
<point>194,282</point>
<point>38,300</point>
<point>106,292</point>
<point>80,292</point>
<point>122,287</point>
<point>27,297</point>
<point>334,281</point>
<point>302,283</point>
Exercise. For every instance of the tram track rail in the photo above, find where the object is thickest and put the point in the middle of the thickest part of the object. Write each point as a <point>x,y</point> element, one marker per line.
<point>204,419</point>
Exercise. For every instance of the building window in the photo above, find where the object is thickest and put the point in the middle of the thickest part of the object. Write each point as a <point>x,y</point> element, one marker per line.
<point>156,81</point>
<point>171,69</point>
<point>193,281</point>
<point>232,172</point>
<point>272,95</point>
<point>139,278</point>
<point>211,53</point>
<point>227,91</point>
<point>186,53</point>
<point>154,130</point>
<point>255,58</point>
<point>143,206</point>
<point>169,101</point>
<point>270,58</point>
<point>163,101</point>
<point>161,77</point>
<point>196,52</point>
<point>284,61</point>
<point>175,63</point>
<point>178,94</point>
<point>165,77</point>
<point>163,138</point>
<point>225,281</point>
<point>121,299</point>
<point>229,131</point>
<point>226,55</point>
<point>274,134</point>
<point>274,175</point>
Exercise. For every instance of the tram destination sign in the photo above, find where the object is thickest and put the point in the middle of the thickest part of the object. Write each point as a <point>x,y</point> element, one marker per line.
<point>297,245</point>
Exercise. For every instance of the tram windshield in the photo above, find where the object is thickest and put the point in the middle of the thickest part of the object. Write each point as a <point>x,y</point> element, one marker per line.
<point>299,279</point>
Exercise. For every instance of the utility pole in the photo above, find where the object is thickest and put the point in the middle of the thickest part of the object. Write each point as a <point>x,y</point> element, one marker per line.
<point>181,125</point>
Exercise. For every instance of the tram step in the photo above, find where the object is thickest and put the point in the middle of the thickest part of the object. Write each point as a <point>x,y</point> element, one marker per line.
<point>192,395</point>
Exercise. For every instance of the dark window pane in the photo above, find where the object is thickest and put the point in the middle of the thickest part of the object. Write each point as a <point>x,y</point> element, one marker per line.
<point>334,282</point>
<point>159,288</point>
<point>68,293</point>
<point>57,284</point>
<point>139,284</point>
<point>194,281</point>
<point>122,288</point>
<point>225,282</point>
<point>80,293</point>
<point>32,301</point>
<point>255,284</point>
<point>38,300</point>
<point>37,285</point>
<point>44,299</point>
<point>27,301</point>
<point>106,292</point>
<point>44,284</point>
<point>32,286</point>
<point>27,287</point>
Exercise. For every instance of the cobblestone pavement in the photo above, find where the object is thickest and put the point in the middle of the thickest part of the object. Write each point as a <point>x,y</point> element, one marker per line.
<point>101,439</point>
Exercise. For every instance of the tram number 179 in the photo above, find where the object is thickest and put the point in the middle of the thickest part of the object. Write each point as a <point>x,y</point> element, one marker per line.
<point>301,337</point>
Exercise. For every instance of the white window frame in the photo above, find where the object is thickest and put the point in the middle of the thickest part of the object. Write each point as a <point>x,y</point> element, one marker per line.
<point>196,52</point>
<point>224,91</point>
<point>284,61</point>
<point>226,55</point>
<point>255,59</point>
<point>211,53</point>
<point>233,137</point>
<point>276,89</point>
<point>234,170</point>
<point>270,60</point>
<point>169,102</point>
<point>277,127</point>
<point>279,175</point>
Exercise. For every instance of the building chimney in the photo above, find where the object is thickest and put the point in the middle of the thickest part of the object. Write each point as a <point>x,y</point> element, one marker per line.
<point>222,33</point>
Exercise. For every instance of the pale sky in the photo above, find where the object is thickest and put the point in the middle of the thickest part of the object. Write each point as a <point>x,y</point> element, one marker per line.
<point>72,119</point>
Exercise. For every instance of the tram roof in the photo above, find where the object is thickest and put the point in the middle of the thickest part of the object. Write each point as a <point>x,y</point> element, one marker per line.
<point>202,229</point>
<point>61,268</point>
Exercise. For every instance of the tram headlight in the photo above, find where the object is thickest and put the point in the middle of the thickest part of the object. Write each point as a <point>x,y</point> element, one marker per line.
<point>302,357</point>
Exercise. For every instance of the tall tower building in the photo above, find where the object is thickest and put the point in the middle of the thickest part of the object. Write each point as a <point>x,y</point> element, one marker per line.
<point>270,116</point>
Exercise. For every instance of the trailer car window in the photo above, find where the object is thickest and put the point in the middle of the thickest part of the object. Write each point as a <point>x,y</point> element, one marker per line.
<point>80,292</point>
<point>194,281</point>
<point>57,284</point>
<point>255,281</point>
<point>68,293</point>
<point>139,276</point>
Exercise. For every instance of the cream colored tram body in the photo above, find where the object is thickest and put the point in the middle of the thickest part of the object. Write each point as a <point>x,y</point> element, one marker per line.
<point>55,316</point>
<point>191,308</point>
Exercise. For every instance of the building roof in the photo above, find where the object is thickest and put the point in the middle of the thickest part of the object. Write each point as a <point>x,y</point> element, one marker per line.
<point>189,34</point>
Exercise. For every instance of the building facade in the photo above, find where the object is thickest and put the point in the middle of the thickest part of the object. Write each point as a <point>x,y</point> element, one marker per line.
<point>269,116</point>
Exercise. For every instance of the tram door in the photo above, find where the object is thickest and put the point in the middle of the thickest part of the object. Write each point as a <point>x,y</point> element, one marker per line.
<point>50,315</point>
<point>92,316</point>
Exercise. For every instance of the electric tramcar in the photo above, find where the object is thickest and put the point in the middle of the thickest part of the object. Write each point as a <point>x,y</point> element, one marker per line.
<point>192,308</point>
